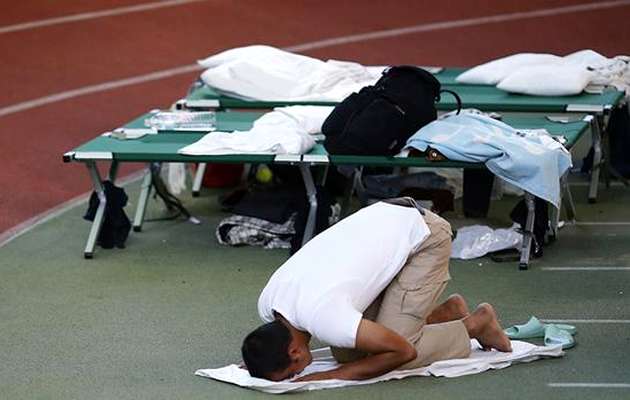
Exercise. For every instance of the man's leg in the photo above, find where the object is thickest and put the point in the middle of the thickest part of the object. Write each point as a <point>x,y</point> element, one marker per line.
<point>449,340</point>
<point>412,295</point>
<point>411,299</point>
<point>453,308</point>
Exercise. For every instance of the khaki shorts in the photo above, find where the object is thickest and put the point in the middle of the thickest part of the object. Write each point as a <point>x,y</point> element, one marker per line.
<point>411,296</point>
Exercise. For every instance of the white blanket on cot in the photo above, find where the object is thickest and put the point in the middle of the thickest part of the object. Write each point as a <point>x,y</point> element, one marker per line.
<point>479,361</point>
<point>270,74</point>
<point>551,75</point>
<point>286,130</point>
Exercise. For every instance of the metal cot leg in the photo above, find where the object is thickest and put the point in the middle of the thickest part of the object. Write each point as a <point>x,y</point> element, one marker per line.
<point>196,187</point>
<point>567,198</point>
<point>528,232</point>
<point>100,211</point>
<point>311,194</point>
<point>597,160</point>
<point>141,209</point>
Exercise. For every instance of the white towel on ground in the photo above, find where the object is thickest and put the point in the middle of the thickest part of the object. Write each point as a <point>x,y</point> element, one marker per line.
<point>286,130</point>
<point>479,361</point>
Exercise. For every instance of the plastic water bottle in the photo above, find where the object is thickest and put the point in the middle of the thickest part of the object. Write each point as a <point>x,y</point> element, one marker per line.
<point>183,121</point>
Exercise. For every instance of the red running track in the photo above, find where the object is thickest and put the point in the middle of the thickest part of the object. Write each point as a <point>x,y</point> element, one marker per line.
<point>46,60</point>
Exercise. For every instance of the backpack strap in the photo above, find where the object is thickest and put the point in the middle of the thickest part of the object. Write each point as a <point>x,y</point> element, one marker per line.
<point>457,99</point>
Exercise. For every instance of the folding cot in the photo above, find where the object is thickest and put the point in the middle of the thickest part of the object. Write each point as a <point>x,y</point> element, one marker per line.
<point>483,97</point>
<point>163,147</point>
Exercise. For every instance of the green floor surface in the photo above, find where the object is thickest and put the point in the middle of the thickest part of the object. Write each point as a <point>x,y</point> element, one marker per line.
<point>136,323</point>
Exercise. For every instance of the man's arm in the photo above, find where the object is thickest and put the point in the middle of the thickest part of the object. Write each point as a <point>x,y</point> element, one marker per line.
<point>388,351</point>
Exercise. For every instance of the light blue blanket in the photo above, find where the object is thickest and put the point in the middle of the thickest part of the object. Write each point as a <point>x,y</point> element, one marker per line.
<point>530,160</point>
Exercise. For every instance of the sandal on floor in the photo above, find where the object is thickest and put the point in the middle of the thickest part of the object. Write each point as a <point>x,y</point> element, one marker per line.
<point>534,329</point>
<point>556,336</point>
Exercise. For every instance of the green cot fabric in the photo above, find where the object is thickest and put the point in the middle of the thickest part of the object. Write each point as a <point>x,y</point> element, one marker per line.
<point>164,146</point>
<point>207,93</point>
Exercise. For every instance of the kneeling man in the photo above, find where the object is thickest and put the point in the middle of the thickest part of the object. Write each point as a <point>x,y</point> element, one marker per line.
<point>368,287</point>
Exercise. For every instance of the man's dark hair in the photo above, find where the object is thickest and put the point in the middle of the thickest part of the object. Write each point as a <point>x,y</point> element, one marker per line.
<point>266,349</point>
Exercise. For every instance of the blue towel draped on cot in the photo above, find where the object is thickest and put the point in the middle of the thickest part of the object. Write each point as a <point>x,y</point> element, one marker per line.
<point>530,160</point>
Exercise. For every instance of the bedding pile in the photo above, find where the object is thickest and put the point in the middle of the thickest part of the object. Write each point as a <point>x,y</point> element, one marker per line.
<point>285,130</point>
<point>269,74</point>
<point>551,75</point>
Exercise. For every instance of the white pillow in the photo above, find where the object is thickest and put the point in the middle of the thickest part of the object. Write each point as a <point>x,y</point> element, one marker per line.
<point>586,58</point>
<point>255,53</point>
<point>493,72</point>
<point>547,80</point>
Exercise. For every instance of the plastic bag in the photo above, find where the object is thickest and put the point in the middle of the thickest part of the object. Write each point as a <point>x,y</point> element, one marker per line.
<point>478,240</point>
<point>174,175</point>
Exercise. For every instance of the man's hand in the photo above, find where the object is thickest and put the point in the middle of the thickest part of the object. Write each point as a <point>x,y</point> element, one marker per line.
<point>388,351</point>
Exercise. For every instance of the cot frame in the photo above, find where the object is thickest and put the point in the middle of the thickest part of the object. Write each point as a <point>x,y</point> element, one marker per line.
<point>599,110</point>
<point>304,162</point>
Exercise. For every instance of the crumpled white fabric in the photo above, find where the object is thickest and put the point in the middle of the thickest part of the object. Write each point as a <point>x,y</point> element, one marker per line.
<point>174,175</point>
<point>267,73</point>
<point>478,240</point>
<point>495,71</point>
<point>286,130</point>
<point>478,361</point>
<point>551,75</point>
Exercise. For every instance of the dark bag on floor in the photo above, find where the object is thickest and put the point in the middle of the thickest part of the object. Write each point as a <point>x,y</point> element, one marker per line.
<point>619,139</point>
<point>477,191</point>
<point>541,223</point>
<point>379,119</point>
<point>619,130</point>
<point>116,224</point>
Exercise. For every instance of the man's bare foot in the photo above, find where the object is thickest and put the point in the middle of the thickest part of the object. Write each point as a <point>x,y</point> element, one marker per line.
<point>483,325</point>
<point>453,308</point>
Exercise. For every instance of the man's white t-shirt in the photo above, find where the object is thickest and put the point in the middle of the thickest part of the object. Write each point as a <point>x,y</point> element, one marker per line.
<point>324,288</point>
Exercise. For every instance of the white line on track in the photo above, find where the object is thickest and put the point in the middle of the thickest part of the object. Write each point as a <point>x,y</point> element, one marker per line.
<point>585,268</point>
<point>101,87</point>
<point>436,26</point>
<point>587,321</point>
<point>589,385</point>
<point>26,105</point>
<point>54,212</point>
<point>94,14</point>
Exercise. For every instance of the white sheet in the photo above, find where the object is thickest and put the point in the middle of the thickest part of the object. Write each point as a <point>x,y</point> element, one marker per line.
<point>269,74</point>
<point>479,361</point>
<point>286,130</point>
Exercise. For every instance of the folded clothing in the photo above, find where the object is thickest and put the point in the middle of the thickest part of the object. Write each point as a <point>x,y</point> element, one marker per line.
<point>478,361</point>
<point>238,230</point>
<point>286,130</point>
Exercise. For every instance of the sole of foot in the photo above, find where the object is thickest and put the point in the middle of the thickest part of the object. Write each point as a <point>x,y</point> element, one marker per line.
<point>490,334</point>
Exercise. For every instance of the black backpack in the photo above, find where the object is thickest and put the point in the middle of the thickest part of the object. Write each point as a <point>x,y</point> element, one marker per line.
<point>379,119</point>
